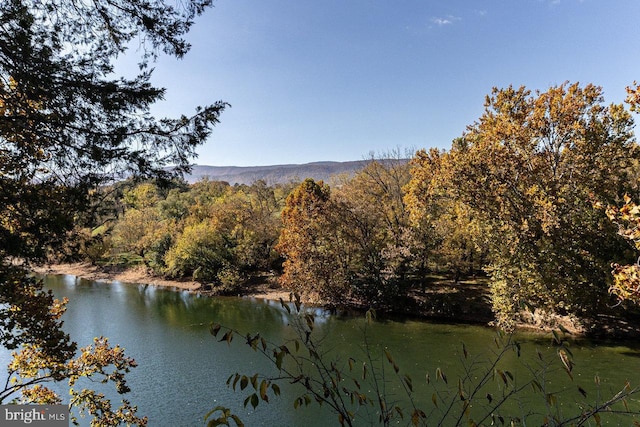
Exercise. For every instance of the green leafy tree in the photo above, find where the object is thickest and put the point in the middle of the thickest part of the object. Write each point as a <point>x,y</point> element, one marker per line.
<point>532,169</point>
<point>68,126</point>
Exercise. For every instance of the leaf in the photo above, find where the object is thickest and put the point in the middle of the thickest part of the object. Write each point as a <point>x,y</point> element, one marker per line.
<point>388,355</point>
<point>434,399</point>
<point>279,358</point>
<point>244,382</point>
<point>408,382</point>
<point>237,420</point>
<point>568,364</point>
<point>235,381</point>
<point>276,389</point>
<point>310,320</point>
<point>228,336</point>
<point>370,316</point>
<point>502,375</point>
<point>535,385</point>
<point>214,410</point>
<point>214,329</point>
<point>285,306</point>
<point>441,375</point>
<point>391,361</point>
<point>254,400</point>
<point>460,390</point>
<point>509,374</point>
<point>551,399</point>
<point>582,391</point>
<point>264,386</point>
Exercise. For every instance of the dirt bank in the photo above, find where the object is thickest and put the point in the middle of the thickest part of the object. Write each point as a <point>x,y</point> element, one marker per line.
<point>141,275</point>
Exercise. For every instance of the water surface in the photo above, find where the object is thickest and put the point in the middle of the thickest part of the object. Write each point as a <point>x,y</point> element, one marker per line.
<point>182,370</point>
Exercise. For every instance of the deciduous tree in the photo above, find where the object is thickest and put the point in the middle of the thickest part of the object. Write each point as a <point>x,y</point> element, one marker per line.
<point>309,241</point>
<point>67,126</point>
<point>532,168</point>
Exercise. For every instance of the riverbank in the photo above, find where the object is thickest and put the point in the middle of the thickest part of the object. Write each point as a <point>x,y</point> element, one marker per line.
<point>140,275</point>
<point>466,301</point>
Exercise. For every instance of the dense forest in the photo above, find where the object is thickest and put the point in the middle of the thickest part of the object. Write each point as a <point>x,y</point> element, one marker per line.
<point>518,201</point>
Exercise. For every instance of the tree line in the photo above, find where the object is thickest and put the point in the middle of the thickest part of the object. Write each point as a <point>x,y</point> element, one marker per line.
<point>520,198</point>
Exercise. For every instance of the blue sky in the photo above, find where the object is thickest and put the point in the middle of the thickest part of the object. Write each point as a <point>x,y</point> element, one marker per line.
<point>336,79</point>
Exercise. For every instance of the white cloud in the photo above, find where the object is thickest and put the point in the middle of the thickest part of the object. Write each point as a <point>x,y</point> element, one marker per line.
<point>448,20</point>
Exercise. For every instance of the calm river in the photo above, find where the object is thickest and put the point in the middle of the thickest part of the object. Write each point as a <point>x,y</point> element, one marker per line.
<point>182,371</point>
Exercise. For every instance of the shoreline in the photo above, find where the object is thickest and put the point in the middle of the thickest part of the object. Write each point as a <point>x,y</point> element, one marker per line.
<point>140,276</point>
<point>428,306</point>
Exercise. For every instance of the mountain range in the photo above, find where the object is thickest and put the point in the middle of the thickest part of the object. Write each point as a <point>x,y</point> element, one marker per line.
<point>277,174</point>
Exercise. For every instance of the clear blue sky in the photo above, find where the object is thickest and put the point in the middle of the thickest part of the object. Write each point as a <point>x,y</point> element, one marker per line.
<point>336,79</point>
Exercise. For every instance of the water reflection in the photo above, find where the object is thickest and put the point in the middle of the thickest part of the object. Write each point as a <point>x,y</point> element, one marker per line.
<point>182,370</point>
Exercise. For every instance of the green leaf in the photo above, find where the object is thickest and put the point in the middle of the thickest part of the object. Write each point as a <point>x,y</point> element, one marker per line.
<point>254,400</point>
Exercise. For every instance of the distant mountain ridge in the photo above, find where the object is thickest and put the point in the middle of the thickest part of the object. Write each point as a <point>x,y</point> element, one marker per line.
<point>276,174</point>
